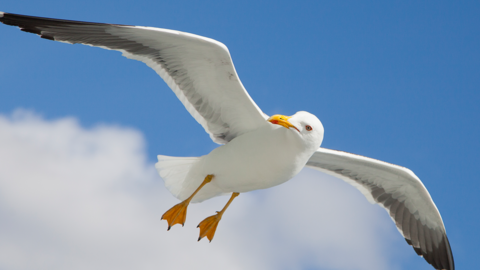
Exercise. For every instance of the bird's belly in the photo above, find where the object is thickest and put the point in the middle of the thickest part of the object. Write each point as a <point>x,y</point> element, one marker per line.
<point>248,175</point>
<point>247,164</point>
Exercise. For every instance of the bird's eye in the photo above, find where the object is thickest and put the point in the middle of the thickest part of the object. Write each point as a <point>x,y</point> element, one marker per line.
<point>309,128</point>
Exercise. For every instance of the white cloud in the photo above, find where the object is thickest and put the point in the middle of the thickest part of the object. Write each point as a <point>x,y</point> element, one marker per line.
<point>76,198</point>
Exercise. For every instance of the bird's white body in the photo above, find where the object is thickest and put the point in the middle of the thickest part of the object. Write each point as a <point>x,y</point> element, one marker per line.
<point>263,158</point>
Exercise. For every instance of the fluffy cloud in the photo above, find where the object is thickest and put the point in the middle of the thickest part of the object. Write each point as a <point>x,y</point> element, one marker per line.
<point>76,198</point>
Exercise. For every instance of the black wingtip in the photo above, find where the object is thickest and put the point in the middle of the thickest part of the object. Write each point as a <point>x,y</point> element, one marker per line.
<point>451,262</point>
<point>26,21</point>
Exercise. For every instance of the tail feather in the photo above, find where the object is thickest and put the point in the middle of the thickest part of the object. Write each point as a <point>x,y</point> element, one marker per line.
<point>173,171</point>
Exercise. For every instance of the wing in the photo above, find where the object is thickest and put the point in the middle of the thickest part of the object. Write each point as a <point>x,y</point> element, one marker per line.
<point>199,70</point>
<point>399,191</point>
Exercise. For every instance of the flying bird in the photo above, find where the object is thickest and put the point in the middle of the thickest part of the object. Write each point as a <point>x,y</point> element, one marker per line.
<point>257,151</point>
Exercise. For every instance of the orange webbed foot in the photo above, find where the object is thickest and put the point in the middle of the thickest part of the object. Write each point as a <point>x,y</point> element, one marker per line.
<point>208,226</point>
<point>177,214</point>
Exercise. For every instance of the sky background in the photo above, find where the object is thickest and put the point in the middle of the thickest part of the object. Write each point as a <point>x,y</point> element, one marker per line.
<point>80,129</point>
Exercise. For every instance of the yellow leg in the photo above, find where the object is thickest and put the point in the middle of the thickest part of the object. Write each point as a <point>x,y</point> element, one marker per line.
<point>178,213</point>
<point>209,225</point>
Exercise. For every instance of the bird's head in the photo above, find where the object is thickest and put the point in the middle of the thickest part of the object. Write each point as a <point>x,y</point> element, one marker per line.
<point>306,124</point>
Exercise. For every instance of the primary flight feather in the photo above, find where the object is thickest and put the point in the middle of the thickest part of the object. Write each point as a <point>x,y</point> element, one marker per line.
<point>257,151</point>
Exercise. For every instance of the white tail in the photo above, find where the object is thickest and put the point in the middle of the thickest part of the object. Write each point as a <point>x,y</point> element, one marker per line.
<point>173,171</point>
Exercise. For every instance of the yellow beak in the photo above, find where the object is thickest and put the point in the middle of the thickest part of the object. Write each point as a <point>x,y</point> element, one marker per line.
<point>281,120</point>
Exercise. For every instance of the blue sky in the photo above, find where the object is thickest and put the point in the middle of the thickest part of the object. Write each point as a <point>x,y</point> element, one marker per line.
<point>396,81</point>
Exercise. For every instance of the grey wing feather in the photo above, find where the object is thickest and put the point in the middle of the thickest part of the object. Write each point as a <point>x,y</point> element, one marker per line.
<point>199,70</point>
<point>399,191</point>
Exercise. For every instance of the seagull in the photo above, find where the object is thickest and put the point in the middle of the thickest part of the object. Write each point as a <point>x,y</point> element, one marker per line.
<point>257,151</point>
